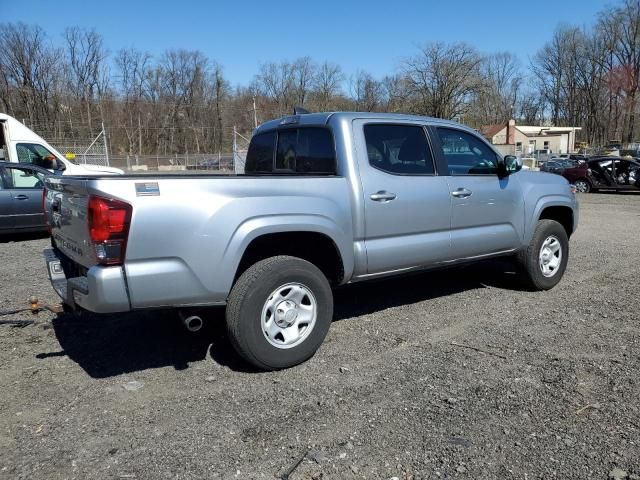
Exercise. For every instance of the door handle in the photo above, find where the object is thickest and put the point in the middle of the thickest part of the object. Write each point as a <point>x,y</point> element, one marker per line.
<point>21,197</point>
<point>383,196</point>
<point>461,193</point>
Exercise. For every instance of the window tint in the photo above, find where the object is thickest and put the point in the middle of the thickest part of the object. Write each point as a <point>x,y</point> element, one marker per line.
<point>466,154</point>
<point>301,150</point>
<point>306,150</point>
<point>398,149</point>
<point>286,152</point>
<point>36,154</point>
<point>316,152</point>
<point>25,178</point>
<point>260,154</point>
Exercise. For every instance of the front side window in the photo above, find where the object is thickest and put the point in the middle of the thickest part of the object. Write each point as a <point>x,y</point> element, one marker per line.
<point>25,178</point>
<point>466,154</point>
<point>36,154</point>
<point>398,149</point>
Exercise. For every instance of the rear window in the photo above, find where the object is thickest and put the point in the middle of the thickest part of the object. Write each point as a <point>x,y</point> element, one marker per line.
<point>297,150</point>
<point>260,153</point>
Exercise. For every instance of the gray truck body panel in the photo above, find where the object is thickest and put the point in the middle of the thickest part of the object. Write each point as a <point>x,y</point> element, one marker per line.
<point>185,243</point>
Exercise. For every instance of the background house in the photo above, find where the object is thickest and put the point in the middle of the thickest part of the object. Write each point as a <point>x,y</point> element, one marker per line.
<point>512,139</point>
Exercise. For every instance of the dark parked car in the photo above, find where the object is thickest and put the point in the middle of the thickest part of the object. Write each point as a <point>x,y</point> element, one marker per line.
<point>21,187</point>
<point>610,173</point>
<point>558,165</point>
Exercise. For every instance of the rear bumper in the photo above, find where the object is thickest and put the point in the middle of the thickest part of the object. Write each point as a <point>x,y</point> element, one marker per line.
<point>101,290</point>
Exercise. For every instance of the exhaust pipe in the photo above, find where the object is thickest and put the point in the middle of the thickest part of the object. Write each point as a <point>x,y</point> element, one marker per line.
<point>193,323</point>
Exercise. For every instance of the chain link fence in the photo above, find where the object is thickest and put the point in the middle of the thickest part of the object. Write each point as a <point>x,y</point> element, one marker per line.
<point>197,161</point>
<point>93,152</point>
<point>96,152</point>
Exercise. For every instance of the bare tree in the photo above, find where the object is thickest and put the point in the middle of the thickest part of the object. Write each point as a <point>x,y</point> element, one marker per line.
<point>303,71</point>
<point>276,82</point>
<point>86,59</point>
<point>441,78</point>
<point>132,66</point>
<point>327,85</point>
<point>622,27</point>
<point>366,92</point>
<point>30,77</point>
<point>497,99</point>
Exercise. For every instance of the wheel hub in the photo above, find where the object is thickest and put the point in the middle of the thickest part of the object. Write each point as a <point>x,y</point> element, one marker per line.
<point>286,314</point>
<point>289,315</point>
<point>550,256</point>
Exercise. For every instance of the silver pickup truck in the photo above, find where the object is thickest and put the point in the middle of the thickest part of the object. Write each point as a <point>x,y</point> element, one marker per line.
<point>326,199</point>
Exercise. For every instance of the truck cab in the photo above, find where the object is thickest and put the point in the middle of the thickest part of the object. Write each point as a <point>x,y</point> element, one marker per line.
<point>19,144</point>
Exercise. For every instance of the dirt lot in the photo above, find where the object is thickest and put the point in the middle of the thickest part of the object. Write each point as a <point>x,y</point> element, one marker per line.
<point>390,394</point>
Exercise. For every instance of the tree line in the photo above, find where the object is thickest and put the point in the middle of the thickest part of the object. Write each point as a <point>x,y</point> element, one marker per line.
<point>180,101</point>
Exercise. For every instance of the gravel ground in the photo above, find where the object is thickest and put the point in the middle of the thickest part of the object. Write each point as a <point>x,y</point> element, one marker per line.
<point>390,394</point>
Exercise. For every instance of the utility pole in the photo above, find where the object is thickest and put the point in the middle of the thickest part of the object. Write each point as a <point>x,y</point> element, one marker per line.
<point>255,114</point>
<point>106,145</point>
<point>139,135</point>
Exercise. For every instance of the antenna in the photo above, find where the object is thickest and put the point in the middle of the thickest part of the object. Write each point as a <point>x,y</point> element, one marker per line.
<point>299,111</point>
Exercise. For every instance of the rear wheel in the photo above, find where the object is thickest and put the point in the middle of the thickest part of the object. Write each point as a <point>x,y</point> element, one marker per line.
<point>279,312</point>
<point>582,185</point>
<point>544,261</point>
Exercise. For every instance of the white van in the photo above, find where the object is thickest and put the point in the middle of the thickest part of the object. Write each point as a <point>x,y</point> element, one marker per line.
<point>20,144</point>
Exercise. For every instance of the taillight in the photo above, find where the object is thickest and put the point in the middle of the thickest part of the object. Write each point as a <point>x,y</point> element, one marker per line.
<point>109,221</point>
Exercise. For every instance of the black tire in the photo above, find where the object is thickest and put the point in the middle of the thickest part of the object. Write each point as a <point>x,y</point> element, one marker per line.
<point>529,258</point>
<point>583,185</point>
<point>247,299</point>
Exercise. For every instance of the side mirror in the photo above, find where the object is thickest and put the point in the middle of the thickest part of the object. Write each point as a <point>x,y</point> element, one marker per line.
<point>512,164</point>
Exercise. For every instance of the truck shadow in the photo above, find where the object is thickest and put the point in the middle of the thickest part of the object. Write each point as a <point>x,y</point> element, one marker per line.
<point>111,345</point>
<point>23,236</point>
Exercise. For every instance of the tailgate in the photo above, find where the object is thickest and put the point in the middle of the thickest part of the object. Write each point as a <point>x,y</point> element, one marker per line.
<point>66,208</point>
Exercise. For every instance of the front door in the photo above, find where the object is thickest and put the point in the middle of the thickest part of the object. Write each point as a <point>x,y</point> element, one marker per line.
<point>626,174</point>
<point>407,206</point>
<point>26,186</point>
<point>7,222</point>
<point>488,211</point>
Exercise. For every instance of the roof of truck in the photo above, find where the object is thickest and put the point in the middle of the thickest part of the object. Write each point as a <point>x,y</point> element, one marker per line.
<point>324,117</point>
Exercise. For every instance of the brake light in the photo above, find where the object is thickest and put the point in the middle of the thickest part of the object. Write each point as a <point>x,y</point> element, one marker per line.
<point>109,221</point>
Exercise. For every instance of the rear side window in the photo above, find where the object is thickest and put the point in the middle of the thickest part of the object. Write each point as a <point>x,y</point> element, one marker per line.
<point>399,149</point>
<point>306,150</point>
<point>260,153</point>
<point>297,150</point>
<point>466,154</point>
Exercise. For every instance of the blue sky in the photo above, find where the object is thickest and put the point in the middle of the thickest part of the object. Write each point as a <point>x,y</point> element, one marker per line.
<point>371,35</point>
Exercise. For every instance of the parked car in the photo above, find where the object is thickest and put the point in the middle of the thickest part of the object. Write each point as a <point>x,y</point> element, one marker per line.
<point>558,165</point>
<point>326,199</point>
<point>210,164</point>
<point>21,188</point>
<point>20,144</point>
<point>610,173</point>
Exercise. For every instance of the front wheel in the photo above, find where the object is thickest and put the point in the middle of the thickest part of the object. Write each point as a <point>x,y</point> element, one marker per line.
<point>582,185</point>
<point>544,260</point>
<point>279,312</point>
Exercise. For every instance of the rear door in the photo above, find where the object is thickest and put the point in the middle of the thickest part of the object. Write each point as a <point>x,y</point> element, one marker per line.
<point>7,222</point>
<point>26,186</point>
<point>407,205</point>
<point>487,210</point>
